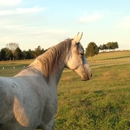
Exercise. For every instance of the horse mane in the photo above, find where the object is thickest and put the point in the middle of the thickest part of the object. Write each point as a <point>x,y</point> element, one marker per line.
<point>48,61</point>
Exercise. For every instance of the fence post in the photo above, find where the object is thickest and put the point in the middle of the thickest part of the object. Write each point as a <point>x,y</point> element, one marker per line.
<point>14,70</point>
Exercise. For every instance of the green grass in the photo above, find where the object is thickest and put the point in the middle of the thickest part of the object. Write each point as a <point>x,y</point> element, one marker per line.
<point>110,58</point>
<point>112,55</point>
<point>10,68</point>
<point>102,103</point>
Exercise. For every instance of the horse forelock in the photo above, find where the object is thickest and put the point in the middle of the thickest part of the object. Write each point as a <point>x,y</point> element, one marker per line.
<point>53,58</point>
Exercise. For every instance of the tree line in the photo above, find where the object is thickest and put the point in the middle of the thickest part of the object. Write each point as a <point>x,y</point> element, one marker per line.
<point>92,49</point>
<point>12,51</point>
<point>109,46</point>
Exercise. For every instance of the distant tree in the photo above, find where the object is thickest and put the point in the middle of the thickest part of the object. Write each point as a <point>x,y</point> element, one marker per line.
<point>12,51</point>
<point>92,50</point>
<point>42,50</point>
<point>38,51</point>
<point>24,53</point>
<point>3,54</point>
<point>100,47</point>
<point>112,45</point>
<point>109,45</point>
<point>30,54</point>
<point>12,46</point>
<point>9,54</point>
<point>104,47</point>
<point>18,54</point>
<point>117,46</point>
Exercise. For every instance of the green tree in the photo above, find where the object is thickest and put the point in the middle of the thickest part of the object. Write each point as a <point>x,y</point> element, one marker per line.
<point>112,45</point>
<point>24,54</point>
<point>3,54</point>
<point>104,47</point>
<point>92,50</point>
<point>117,46</point>
<point>109,46</point>
<point>18,54</point>
<point>38,51</point>
<point>30,54</point>
<point>6,54</point>
<point>100,47</point>
<point>9,54</point>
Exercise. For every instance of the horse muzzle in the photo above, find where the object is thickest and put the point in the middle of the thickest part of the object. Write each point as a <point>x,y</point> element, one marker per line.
<point>86,77</point>
<point>84,72</point>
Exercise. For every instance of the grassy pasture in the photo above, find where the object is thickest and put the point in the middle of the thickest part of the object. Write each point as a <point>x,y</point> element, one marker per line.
<point>102,103</point>
<point>111,55</point>
<point>10,68</point>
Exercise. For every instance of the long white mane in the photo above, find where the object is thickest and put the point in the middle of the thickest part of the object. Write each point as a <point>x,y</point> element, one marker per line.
<point>49,60</point>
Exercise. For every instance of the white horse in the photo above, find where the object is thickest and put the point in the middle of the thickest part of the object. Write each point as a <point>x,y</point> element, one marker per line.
<point>29,99</point>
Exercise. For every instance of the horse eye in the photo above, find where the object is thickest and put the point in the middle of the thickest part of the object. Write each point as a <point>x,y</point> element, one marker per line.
<point>81,54</point>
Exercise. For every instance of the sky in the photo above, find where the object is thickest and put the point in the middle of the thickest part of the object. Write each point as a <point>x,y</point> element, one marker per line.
<point>33,23</point>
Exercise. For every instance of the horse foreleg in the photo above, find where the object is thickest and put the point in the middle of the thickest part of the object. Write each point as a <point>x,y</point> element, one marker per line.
<point>48,126</point>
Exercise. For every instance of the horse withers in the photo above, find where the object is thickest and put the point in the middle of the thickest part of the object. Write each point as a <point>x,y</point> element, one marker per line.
<point>29,99</point>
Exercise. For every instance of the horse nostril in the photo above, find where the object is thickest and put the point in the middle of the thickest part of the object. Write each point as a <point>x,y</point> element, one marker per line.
<point>91,75</point>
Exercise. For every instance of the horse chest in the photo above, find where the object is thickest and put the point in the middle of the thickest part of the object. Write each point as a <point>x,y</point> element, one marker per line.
<point>51,100</point>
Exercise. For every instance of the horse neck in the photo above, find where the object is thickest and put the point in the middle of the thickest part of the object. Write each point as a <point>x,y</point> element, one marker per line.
<point>52,63</point>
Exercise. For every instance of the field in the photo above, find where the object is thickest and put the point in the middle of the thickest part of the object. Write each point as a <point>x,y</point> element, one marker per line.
<point>102,103</point>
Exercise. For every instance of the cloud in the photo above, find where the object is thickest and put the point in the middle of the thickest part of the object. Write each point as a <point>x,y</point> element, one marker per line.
<point>9,2</point>
<point>6,12</point>
<point>22,11</point>
<point>124,24</point>
<point>35,36</point>
<point>90,18</point>
<point>30,10</point>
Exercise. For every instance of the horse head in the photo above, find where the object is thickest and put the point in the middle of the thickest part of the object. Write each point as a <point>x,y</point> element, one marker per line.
<point>76,59</point>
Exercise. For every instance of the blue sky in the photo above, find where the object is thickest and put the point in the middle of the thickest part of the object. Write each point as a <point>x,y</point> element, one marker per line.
<point>33,23</point>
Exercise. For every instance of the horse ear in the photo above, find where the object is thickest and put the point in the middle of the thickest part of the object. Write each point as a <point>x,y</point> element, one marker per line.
<point>78,37</point>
